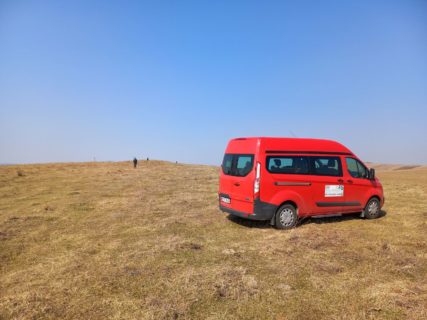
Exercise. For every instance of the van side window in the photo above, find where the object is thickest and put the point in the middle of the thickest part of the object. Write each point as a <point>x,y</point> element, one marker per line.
<point>287,165</point>
<point>356,169</point>
<point>326,166</point>
<point>237,164</point>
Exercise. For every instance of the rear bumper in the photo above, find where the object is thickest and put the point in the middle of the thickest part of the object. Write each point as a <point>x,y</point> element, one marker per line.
<point>262,211</point>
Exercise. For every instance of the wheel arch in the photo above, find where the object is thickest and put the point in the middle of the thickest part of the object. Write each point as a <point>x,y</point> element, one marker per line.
<point>291,197</point>
<point>291,202</point>
<point>374,195</point>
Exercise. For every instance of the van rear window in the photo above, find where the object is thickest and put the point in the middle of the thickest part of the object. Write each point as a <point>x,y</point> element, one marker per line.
<point>238,165</point>
<point>288,165</point>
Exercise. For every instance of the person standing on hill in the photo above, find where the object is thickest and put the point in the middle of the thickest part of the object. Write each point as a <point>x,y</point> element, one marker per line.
<point>135,162</point>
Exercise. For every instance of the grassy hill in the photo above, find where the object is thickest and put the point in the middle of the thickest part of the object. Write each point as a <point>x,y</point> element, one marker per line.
<point>104,240</point>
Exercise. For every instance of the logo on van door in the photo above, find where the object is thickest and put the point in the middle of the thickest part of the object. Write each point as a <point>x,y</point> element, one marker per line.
<point>334,190</point>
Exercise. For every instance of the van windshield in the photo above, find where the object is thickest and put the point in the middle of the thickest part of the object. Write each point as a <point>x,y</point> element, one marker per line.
<point>238,165</point>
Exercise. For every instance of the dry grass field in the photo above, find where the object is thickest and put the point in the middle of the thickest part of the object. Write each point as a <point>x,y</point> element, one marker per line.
<point>104,240</point>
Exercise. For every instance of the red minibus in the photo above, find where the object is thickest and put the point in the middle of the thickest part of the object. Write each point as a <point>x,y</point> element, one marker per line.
<point>285,179</point>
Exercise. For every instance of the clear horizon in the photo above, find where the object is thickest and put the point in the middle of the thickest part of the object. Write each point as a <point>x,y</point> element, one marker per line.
<point>175,81</point>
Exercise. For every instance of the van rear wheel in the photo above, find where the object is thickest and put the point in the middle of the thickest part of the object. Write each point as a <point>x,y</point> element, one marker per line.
<point>286,217</point>
<point>372,209</point>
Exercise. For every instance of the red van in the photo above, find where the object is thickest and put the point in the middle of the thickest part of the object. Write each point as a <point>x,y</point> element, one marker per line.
<point>285,179</point>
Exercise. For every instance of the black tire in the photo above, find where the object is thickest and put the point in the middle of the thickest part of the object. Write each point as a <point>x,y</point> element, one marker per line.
<point>286,217</point>
<point>372,209</point>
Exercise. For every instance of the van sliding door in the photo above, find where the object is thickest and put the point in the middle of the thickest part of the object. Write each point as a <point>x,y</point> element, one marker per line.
<point>327,185</point>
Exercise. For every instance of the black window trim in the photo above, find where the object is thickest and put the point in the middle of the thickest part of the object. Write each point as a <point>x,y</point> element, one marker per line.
<point>311,169</point>
<point>234,163</point>
<point>332,153</point>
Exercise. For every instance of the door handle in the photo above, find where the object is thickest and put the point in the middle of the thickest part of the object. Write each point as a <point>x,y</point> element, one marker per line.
<point>237,184</point>
<point>340,180</point>
<point>350,181</point>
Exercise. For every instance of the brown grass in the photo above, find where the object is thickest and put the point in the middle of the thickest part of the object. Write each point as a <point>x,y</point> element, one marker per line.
<point>104,240</point>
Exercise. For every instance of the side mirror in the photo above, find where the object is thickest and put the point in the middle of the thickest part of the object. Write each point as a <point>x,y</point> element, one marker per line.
<point>371,174</point>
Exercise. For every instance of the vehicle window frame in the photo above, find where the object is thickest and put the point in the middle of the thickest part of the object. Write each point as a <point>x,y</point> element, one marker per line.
<point>313,169</point>
<point>358,163</point>
<point>234,160</point>
<point>231,165</point>
<point>267,160</point>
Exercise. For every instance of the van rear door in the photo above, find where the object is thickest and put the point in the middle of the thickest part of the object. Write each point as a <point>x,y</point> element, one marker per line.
<point>225,181</point>
<point>237,182</point>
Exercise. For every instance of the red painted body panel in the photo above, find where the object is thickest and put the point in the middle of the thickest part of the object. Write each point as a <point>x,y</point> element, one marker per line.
<point>240,189</point>
<point>358,189</point>
<point>306,191</point>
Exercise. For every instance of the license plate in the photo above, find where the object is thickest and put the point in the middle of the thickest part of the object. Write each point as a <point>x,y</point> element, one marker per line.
<point>225,200</point>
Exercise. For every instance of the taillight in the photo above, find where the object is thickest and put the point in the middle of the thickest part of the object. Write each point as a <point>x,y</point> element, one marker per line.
<point>257,180</point>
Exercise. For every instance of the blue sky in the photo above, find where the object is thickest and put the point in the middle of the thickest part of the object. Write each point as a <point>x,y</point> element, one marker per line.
<point>175,80</point>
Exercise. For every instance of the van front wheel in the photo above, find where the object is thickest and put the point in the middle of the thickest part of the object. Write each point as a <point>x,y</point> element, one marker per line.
<point>286,217</point>
<point>372,209</point>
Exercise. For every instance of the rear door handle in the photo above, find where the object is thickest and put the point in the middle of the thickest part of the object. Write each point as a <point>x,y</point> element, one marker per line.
<point>237,184</point>
<point>350,181</point>
<point>340,180</point>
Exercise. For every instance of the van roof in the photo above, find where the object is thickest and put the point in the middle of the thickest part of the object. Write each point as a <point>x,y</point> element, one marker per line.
<point>306,145</point>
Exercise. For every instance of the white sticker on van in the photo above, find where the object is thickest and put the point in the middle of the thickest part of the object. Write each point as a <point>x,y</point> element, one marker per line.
<point>334,190</point>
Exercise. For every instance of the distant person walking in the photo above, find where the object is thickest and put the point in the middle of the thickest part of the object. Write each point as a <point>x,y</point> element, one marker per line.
<point>135,162</point>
